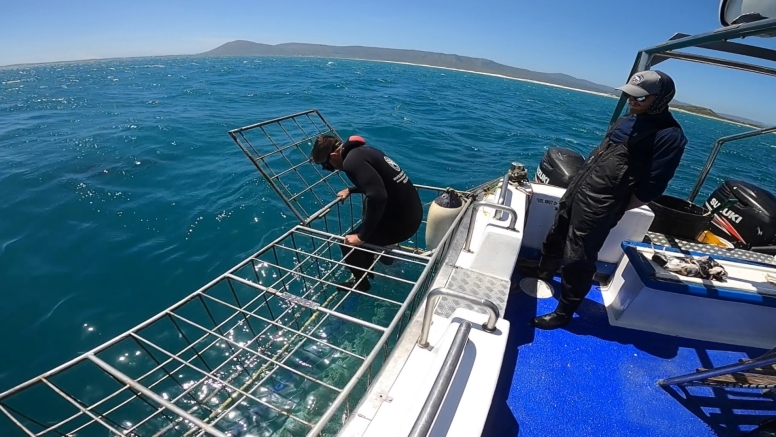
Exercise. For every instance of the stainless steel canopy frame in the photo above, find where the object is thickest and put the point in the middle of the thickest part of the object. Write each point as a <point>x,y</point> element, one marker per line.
<point>718,41</point>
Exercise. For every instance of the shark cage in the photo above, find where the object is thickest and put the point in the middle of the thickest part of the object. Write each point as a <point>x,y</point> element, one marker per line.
<point>274,346</point>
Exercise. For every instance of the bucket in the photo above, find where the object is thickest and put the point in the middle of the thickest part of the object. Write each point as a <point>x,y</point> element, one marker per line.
<point>678,218</point>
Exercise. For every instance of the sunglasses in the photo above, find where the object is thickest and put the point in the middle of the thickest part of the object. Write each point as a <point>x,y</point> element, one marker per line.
<point>639,99</point>
<point>326,165</point>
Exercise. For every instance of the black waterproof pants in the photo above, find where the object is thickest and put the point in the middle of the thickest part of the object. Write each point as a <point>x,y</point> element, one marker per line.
<point>574,239</point>
<point>388,232</point>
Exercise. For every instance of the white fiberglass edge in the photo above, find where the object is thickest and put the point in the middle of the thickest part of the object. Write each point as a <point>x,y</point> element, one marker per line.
<point>465,408</point>
<point>486,224</point>
<point>632,304</point>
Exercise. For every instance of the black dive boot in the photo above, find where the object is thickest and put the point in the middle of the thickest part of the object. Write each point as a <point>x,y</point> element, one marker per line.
<point>553,320</point>
<point>387,260</point>
<point>559,318</point>
<point>352,283</point>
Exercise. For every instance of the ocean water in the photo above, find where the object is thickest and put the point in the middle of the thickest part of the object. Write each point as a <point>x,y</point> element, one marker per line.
<point>121,191</point>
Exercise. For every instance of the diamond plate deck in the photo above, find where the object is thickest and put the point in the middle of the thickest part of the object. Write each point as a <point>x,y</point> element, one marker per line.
<point>678,243</point>
<point>475,284</point>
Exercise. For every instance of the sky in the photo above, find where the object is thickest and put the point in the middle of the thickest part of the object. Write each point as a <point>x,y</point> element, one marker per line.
<point>596,40</point>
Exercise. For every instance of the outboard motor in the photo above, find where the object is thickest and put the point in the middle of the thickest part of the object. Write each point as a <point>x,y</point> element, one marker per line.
<point>558,166</point>
<point>751,221</point>
<point>441,215</point>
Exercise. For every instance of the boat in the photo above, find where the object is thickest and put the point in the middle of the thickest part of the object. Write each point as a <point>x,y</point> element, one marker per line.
<point>441,345</point>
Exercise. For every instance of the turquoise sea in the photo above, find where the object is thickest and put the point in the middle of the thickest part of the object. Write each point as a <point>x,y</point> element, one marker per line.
<point>121,192</point>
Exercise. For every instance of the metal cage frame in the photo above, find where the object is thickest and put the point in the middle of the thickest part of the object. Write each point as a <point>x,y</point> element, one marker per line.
<point>217,361</point>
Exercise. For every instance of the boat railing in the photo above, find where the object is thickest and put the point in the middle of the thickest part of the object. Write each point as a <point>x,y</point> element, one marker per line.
<point>483,203</point>
<point>433,298</point>
<point>715,151</point>
<point>720,41</point>
<point>758,373</point>
<point>396,328</point>
<point>442,382</point>
<point>502,195</point>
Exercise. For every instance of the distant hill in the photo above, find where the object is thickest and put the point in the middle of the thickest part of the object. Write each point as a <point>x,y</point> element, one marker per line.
<point>742,119</point>
<point>248,48</point>
<point>695,109</point>
<point>709,113</point>
<point>480,65</point>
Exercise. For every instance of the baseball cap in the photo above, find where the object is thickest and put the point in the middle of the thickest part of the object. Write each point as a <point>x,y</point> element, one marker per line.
<point>645,83</point>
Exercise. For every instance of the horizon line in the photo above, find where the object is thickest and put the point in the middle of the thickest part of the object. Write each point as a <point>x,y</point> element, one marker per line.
<point>611,95</point>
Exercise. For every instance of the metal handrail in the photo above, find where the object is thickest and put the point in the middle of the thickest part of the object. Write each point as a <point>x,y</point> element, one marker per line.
<point>715,151</point>
<point>442,382</point>
<point>723,34</point>
<point>355,379</point>
<point>764,360</point>
<point>502,195</point>
<point>646,58</point>
<point>481,203</point>
<point>433,298</point>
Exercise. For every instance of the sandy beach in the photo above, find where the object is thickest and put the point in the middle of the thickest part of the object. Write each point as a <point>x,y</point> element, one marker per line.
<point>738,123</point>
<point>560,86</point>
<point>493,75</point>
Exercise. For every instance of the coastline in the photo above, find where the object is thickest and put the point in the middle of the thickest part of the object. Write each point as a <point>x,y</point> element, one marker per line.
<point>716,118</point>
<point>613,96</point>
<point>725,120</point>
<point>493,75</point>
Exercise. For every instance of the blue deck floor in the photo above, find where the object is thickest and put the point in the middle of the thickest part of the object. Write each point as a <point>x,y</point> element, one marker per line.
<point>593,379</point>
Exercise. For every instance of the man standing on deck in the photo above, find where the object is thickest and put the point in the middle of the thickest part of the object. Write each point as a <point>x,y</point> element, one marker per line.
<point>392,208</point>
<point>631,167</point>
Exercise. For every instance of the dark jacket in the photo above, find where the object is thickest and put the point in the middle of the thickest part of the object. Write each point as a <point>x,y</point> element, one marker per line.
<point>391,202</point>
<point>639,155</point>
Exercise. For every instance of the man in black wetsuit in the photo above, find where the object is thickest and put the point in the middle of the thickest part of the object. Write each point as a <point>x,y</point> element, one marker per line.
<point>630,168</point>
<point>392,208</point>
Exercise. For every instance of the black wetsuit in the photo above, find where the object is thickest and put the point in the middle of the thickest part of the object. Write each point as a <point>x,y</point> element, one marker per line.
<point>392,208</point>
<point>638,155</point>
